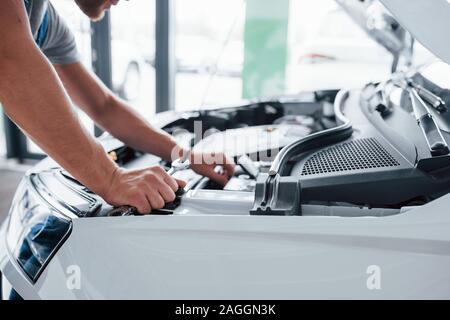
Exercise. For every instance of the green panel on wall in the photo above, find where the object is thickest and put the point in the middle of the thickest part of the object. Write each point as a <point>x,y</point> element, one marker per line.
<point>265,48</point>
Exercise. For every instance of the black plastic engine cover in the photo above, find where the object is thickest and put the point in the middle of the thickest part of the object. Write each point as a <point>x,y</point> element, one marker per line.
<point>277,196</point>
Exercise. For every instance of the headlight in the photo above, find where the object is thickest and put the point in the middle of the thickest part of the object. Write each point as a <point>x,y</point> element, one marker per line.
<point>35,230</point>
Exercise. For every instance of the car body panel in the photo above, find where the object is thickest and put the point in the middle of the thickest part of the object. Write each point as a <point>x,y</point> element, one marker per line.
<point>237,257</point>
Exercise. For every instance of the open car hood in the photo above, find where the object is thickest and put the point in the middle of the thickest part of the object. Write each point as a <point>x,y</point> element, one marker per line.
<point>393,24</point>
<point>427,21</point>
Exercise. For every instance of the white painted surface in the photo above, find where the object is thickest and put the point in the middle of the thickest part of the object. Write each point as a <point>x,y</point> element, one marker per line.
<point>222,256</point>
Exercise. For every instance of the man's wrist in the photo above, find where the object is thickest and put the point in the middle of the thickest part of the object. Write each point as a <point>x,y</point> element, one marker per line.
<point>104,174</point>
<point>178,152</point>
<point>185,154</point>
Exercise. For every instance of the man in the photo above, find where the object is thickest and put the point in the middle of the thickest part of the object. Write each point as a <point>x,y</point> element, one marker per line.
<point>40,75</point>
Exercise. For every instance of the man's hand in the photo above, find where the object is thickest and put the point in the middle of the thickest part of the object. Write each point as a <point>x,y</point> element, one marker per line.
<point>144,189</point>
<point>118,118</point>
<point>205,164</point>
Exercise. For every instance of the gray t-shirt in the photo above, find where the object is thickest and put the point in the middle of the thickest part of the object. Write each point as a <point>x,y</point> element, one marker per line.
<point>51,33</point>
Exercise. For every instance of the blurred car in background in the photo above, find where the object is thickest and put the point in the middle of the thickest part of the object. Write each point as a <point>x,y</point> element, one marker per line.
<point>199,54</point>
<point>230,61</point>
<point>128,59</point>
<point>339,47</point>
<point>127,67</point>
<point>193,54</point>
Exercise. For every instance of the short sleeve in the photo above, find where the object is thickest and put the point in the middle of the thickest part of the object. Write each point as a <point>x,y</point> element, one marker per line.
<point>59,45</point>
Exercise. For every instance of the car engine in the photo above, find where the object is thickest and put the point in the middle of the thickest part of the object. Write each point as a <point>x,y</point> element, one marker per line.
<point>364,152</point>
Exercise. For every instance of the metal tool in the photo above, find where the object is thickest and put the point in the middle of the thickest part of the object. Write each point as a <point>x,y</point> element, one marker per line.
<point>177,165</point>
<point>248,166</point>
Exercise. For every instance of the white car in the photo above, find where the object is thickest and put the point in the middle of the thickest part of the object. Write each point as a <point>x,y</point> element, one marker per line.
<point>342,200</point>
<point>338,47</point>
<point>128,65</point>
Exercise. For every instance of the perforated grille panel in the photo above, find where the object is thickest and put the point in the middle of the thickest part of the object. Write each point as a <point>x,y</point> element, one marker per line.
<point>358,154</point>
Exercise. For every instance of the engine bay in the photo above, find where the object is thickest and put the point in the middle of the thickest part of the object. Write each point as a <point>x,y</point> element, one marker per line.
<point>346,153</point>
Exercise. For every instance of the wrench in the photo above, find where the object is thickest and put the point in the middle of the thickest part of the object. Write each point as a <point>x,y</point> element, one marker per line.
<point>177,165</point>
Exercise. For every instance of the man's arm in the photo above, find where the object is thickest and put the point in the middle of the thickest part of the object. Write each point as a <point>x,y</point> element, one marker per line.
<point>115,116</point>
<point>111,113</point>
<point>35,100</point>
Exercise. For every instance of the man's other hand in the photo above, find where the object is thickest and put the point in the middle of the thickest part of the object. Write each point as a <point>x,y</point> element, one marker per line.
<point>144,189</point>
<point>205,164</point>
